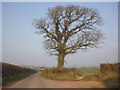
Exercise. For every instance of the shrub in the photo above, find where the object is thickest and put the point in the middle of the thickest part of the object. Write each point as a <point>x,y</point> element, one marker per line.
<point>113,67</point>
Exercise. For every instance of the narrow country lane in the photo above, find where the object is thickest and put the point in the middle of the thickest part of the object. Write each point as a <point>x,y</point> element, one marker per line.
<point>36,81</point>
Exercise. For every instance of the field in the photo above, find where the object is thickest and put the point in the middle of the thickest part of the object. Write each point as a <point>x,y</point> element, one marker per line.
<point>83,71</point>
<point>110,78</point>
<point>88,73</point>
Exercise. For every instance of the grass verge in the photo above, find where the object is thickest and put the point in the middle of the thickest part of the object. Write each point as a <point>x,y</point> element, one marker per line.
<point>110,79</point>
<point>71,73</point>
<point>14,78</point>
<point>66,76</point>
<point>57,74</point>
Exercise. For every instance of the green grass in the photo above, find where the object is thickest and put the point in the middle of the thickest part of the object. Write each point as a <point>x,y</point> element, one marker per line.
<point>70,74</point>
<point>14,78</point>
<point>88,74</point>
<point>110,79</point>
<point>110,76</point>
<point>67,76</point>
<point>86,78</point>
<point>84,71</point>
<point>57,74</point>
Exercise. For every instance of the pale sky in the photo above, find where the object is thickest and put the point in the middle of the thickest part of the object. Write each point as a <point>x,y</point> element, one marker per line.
<point>21,46</point>
<point>0,32</point>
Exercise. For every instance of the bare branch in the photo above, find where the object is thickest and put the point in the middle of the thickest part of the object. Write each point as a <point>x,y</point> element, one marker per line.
<point>70,28</point>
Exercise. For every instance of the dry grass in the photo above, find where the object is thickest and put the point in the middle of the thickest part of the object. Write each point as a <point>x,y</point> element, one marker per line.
<point>59,74</point>
<point>110,79</point>
<point>109,76</point>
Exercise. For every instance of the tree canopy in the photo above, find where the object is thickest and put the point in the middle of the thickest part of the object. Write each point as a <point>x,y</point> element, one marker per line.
<point>68,29</point>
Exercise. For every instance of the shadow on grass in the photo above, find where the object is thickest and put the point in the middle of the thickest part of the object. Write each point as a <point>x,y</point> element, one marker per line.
<point>112,83</point>
<point>111,80</point>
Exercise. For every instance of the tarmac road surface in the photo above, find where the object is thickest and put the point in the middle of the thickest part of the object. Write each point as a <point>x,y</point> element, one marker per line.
<point>36,81</point>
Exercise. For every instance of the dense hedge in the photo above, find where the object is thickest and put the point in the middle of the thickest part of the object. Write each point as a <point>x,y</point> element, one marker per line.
<point>9,69</point>
<point>113,67</point>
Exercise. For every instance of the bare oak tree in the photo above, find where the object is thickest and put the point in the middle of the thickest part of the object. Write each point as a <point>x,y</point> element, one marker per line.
<point>68,29</point>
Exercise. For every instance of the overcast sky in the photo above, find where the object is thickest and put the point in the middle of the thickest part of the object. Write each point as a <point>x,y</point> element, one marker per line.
<point>21,46</point>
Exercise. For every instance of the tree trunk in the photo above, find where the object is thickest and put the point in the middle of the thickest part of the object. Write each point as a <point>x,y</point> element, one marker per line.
<point>61,60</point>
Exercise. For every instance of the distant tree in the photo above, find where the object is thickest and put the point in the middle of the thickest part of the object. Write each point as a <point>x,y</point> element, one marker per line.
<point>68,29</point>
